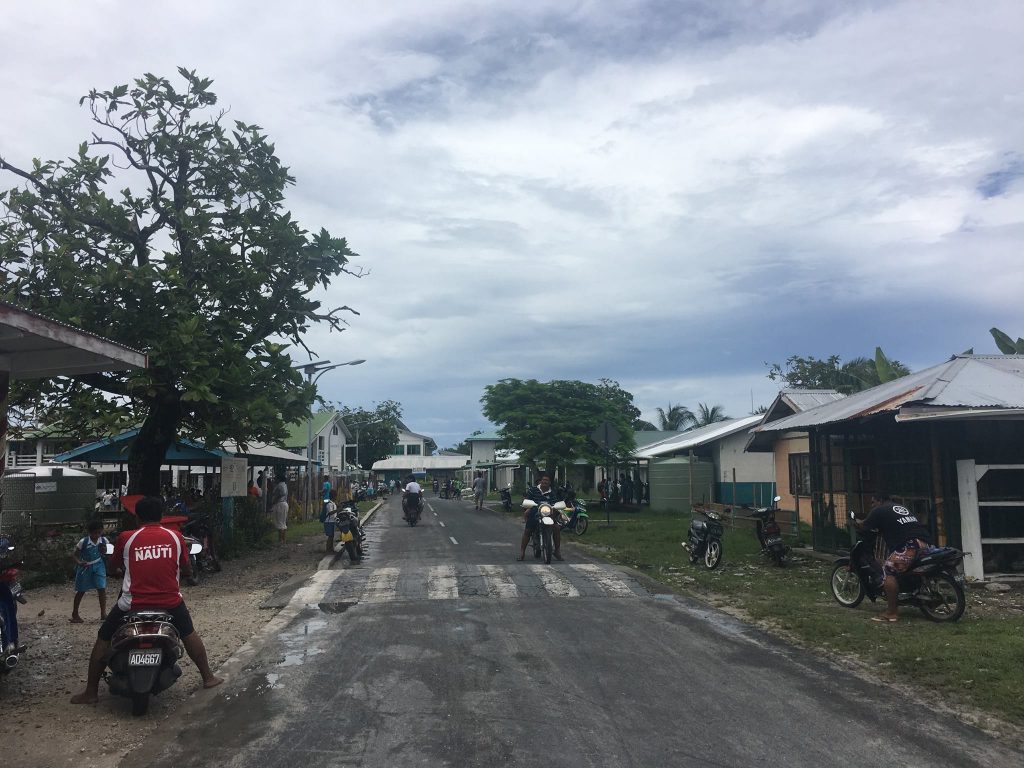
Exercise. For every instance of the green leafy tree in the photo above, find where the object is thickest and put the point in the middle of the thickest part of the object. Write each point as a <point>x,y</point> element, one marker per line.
<point>639,425</point>
<point>706,416</point>
<point>853,376</point>
<point>675,417</point>
<point>551,422</point>
<point>167,232</point>
<point>376,431</point>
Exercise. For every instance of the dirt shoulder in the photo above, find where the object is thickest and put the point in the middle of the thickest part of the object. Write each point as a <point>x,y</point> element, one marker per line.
<point>43,729</point>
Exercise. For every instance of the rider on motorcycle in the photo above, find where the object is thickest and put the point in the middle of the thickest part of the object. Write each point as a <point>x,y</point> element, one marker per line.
<point>541,493</point>
<point>413,494</point>
<point>151,557</point>
<point>906,539</point>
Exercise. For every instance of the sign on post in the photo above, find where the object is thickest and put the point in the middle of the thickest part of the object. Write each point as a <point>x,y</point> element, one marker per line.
<point>232,477</point>
<point>607,437</point>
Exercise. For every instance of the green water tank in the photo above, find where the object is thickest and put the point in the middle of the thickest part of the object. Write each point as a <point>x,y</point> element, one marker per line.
<point>46,495</point>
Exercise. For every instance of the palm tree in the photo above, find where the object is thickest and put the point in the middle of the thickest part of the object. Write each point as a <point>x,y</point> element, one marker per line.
<point>675,418</point>
<point>706,416</point>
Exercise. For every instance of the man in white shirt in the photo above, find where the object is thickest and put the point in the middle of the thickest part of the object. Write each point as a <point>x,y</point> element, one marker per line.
<point>413,495</point>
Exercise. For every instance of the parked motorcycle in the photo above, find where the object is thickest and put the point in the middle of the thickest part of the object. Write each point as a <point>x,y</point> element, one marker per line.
<point>769,533</point>
<point>934,583</point>
<point>705,538</point>
<point>543,534</point>
<point>506,498</point>
<point>197,530</point>
<point>10,595</point>
<point>350,532</point>
<point>143,659</point>
<point>578,519</point>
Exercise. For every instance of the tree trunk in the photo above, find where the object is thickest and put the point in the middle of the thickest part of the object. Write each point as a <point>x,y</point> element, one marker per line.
<point>149,450</point>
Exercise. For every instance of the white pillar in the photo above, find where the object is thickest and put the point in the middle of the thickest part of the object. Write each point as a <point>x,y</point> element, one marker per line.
<point>970,521</point>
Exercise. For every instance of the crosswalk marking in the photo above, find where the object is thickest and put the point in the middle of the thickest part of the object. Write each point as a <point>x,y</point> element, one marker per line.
<point>554,583</point>
<point>442,584</point>
<point>382,585</point>
<point>607,581</point>
<point>460,581</point>
<point>499,582</point>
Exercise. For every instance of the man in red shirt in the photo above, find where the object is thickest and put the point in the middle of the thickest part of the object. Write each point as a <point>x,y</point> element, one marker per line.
<point>151,557</point>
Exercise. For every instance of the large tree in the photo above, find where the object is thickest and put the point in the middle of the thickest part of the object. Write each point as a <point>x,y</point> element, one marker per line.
<point>852,376</point>
<point>675,417</point>
<point>550,423</point>
<point>167,232</point>
<point>375,431</point>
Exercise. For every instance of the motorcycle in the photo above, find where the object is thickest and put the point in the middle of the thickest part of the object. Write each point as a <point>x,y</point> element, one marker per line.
<point>705,538</point>
<point>10,595</point>
<point>412,508</point>
<point>769,533</point>
<point>934,583</point>
<point>197,530</point>
<point>506,498</point>
<point>578,519</point>
<point>350,532</point>
<point>543,534</point>
<point>144,654</point>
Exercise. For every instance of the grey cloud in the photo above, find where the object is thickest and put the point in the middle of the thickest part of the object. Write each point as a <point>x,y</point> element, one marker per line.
<point>997,182</point>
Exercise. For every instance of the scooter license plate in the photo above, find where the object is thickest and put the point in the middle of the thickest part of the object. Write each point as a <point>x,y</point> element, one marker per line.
<point>144,658</point>
<point>771,542</point>
<point>346,536</point>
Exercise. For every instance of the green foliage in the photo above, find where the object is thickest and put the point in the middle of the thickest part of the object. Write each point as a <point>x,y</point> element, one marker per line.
<point>706,416</point>
<point>858,374</point>
<point>184,251</point>
<point>675,417</point>
<point>377,431</point>
<point>1007,345</point>
<point>551,422</point>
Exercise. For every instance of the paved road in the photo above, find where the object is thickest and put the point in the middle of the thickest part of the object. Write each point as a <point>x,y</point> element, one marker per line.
<point>440,650</point>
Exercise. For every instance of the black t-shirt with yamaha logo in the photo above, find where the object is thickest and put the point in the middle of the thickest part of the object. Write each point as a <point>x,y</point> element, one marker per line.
<point>896,523</point>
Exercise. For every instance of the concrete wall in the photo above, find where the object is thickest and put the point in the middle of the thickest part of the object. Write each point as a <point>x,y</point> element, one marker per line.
<point>729,454</point>
<point>790,443</point>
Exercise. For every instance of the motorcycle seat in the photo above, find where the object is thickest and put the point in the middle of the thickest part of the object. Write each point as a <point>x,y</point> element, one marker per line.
<point>940,554</point>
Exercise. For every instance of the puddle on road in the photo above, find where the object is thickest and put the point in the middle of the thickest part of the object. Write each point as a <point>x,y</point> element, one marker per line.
<point>339,607</point>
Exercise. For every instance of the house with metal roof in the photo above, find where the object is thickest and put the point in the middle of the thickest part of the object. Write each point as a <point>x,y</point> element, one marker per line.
<point>946,442</point>
<point>330,438</point>
<point>790,450</point>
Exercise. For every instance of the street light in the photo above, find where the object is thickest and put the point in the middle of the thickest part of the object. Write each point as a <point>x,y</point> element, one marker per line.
<point>357,426</point>
<point>319,368</point>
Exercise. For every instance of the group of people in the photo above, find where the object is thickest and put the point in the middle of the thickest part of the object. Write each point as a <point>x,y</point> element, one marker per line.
<point>624,490</point>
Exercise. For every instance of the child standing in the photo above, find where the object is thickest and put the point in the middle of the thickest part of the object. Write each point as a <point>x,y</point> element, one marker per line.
<point>90,570</point>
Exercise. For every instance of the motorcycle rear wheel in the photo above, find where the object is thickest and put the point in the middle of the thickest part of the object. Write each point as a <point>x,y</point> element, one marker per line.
<point>948,594</point>
<point>581,526</point>
<point>546,534</point>
<point>140,704</point>
<point>353,555</point>
<point>713,554</point>
<point>846,587</point>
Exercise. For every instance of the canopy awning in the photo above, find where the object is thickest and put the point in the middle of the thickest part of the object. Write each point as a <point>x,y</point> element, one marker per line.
<point>115,450</point>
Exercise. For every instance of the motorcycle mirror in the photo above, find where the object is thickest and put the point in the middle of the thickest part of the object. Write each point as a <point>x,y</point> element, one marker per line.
<point>196,548</point>
<point>559,505</point>
<point>529,503</point>
<point>109,548</point>
<point>777,499</point>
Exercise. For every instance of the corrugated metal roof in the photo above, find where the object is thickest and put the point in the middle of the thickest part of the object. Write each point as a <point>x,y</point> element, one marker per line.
<point>966,381</point>
<point>420,462</point>
<point>805,399</point>
<point>485,436</point>
<point>695,437</point>
<point>645,437</point>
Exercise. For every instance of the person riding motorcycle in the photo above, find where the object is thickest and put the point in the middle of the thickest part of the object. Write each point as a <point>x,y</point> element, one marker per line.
<point>542,493</point>
<point>412,494</point>
<point>906,539</point>
<point>151,557</point>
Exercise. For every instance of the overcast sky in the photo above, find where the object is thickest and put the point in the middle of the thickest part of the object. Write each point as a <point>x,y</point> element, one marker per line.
<point>668,194</point>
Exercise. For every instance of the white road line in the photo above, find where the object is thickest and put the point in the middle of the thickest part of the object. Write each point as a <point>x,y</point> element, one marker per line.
<point>440,523</point>
<point>381,586</point>
<point>435,513</point>
<point>499,582</point>
<point>442,583</point>
<point>554,583</point>
<point>431,509</point>
<point>610,583</point>
<point>453,540</point>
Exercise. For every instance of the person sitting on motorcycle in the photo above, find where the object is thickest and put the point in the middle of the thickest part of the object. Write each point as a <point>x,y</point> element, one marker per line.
<point>413,494</point>
<point>906,539</point>
<point>542,494</point>
<point>148,584</point>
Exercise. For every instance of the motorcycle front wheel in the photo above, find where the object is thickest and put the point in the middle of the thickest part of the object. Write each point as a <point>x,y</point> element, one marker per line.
<point>713,554</point>
<point>846,587</point>
<point>942,598</point>
<point>581,526</point>
<point>547,545</point>
<point>353,555</point>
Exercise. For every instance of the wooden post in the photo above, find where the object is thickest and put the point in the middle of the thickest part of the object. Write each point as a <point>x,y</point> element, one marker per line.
<point>689,488</point>
<point>937,492</point>
<point>5,388</point>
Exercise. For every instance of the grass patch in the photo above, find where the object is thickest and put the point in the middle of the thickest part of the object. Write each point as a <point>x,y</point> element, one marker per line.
<point>975,661</point>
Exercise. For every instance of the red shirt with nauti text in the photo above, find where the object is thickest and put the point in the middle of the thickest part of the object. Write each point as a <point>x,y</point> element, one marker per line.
<point>151,556</point>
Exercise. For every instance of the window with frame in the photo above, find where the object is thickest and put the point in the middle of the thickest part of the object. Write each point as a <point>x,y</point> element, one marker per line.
<point>399,450</point>
<point>413,450</point>
<point>800,474</point>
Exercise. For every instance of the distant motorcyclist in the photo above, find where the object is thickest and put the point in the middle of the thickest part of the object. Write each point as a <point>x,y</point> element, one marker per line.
<point>412,494</point>
<point>542,493</point>
<point>906,539</point>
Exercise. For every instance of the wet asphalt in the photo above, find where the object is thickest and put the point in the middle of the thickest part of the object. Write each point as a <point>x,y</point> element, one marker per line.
<point>441,650</point>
